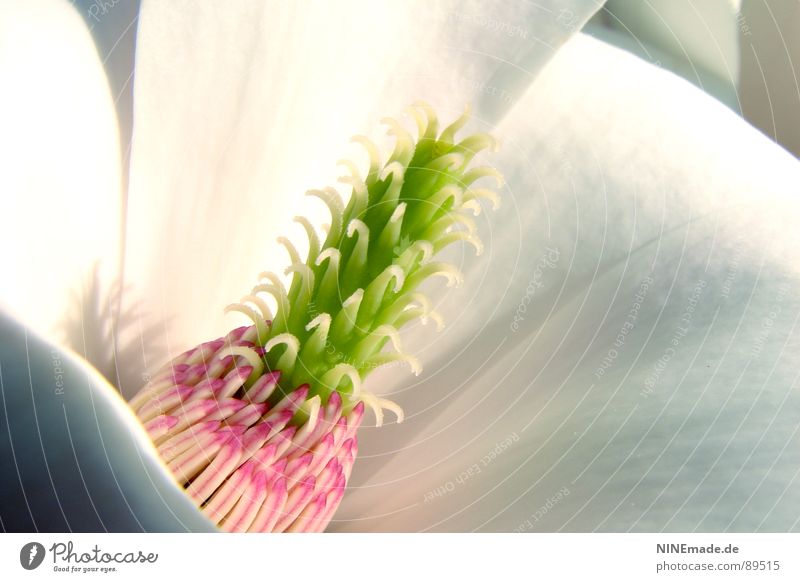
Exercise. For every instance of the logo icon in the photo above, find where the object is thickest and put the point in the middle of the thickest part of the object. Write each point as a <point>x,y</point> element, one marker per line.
<point>31,555</point>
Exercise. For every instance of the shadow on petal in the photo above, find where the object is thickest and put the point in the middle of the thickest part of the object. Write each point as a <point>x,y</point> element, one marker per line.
<point>72,455</point>
<point>123,344</point>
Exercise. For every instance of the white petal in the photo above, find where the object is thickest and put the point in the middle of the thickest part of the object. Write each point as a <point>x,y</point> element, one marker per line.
<point>770,67</point>
<point>73,455</point>
<point>697,40</point>
<point>624,172</point>
<point>241,109</point>
<point>60,208</point>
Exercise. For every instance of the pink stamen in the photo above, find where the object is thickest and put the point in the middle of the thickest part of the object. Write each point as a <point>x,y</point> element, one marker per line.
<point>248,466</point>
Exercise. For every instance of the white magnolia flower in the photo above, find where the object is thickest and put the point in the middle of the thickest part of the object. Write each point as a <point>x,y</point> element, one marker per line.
<point>622,356</point>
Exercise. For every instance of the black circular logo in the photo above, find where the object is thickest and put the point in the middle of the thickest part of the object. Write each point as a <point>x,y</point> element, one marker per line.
<point>31,555</point>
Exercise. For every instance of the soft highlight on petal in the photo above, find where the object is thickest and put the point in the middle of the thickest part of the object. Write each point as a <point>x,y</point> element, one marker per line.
<point>549,412</point>
<point>60,208</point>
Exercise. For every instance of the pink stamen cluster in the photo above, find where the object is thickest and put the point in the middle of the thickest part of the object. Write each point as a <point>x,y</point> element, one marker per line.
<point>248,465</point>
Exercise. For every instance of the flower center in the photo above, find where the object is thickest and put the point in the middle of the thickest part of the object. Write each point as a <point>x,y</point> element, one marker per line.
<point>357,288</point>
<point>260,425</point>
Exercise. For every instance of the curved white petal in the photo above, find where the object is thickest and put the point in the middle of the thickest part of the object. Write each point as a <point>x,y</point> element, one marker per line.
<point>697,40</point>
<point>650,381</point>
<point>72,454</point>
<point>770,69</point>
<point>239,109</point>
<point>60,203</point>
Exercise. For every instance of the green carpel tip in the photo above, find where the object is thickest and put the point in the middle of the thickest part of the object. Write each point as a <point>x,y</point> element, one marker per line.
<point>358,287</point>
